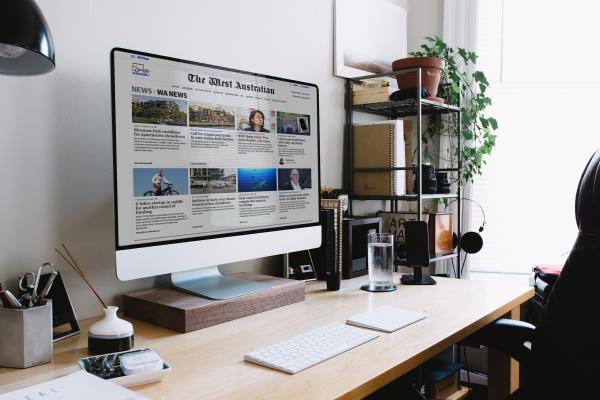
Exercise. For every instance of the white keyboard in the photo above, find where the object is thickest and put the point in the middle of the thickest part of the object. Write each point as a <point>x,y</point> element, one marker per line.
<point>297,353</point>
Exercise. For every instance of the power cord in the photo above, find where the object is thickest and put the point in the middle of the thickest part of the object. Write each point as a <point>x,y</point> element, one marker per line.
<point>462,268</point>
<point>312,263</point>
<point>453,269</point>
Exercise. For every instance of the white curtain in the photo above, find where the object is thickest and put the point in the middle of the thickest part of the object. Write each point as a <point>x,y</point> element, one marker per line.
<point>460,30</point>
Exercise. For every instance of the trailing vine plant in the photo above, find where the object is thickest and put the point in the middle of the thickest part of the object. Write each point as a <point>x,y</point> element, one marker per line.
<point>458,86</point>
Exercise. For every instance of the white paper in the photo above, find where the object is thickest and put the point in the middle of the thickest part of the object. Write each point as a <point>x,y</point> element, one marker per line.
<point>76,386</point>
<point>386,319</point>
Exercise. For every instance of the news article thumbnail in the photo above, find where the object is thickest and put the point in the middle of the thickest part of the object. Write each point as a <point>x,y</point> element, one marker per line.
<point>294,124</point>
<point>255,120</point>
<point>160,182</point>
<point>257,179</point>
<point>294,178</point>
<point>158,111</point>
<point>213,180</point>
<point>212,116</point>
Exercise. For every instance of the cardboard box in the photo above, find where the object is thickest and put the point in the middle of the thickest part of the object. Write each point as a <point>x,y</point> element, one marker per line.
<point>372,95</point>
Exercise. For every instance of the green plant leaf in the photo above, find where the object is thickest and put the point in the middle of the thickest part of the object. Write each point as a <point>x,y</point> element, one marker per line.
<point>480,77</point>
<point>493,123</point>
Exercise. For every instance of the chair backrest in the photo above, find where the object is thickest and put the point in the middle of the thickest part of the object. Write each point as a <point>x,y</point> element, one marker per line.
<point>565,349</point>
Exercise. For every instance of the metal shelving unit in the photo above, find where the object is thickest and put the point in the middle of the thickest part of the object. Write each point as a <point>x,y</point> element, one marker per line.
<point>393,110</point>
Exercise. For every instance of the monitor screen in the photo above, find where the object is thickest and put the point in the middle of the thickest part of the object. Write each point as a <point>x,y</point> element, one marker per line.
<point>205,152</point>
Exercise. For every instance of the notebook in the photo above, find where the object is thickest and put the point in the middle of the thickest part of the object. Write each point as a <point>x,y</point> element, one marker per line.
<point>76,386</point>
<point>379,145</point>
<point>386,319</point>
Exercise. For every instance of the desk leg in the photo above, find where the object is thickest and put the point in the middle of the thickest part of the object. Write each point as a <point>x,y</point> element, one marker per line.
<point>503,371</point>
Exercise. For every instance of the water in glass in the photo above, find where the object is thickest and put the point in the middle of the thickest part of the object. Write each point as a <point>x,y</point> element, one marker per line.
<point>380,264</point>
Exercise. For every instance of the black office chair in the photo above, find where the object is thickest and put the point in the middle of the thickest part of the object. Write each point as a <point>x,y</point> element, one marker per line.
<point>564,359</point>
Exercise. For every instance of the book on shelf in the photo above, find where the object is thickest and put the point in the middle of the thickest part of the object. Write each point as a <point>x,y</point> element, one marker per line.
<point>338,216</point>
<point>408,153</point>
<point>379,145</point>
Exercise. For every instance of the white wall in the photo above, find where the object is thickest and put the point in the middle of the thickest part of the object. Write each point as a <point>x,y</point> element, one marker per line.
<point>56,164</point>
<point>425,18</point>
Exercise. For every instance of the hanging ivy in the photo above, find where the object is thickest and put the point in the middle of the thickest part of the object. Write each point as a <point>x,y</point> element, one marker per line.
<point>459,87</point>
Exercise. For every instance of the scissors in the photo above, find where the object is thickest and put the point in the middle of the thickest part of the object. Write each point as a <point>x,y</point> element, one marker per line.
<point>28,286</point>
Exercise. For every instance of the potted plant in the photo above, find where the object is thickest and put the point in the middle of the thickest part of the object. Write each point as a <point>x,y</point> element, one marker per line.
<point>432,68</point>
<point>460,86</point>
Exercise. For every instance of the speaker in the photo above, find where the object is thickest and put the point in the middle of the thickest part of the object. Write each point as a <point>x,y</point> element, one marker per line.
<point>471,242</point>
<point>417,253</point>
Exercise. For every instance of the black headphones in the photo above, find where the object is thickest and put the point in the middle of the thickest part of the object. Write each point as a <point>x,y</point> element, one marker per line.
<point>470,242</point>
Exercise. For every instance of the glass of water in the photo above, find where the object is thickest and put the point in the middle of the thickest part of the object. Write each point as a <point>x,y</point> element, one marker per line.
<point>380,262</point>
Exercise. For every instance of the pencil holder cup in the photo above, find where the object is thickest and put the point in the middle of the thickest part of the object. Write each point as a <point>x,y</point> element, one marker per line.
<point>26,336</point>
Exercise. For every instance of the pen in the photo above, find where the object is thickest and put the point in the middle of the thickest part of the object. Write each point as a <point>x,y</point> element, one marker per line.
<point>36,282</point>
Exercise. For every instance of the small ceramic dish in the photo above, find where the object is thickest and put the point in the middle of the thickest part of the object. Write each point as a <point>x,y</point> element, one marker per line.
<point>108,366</point>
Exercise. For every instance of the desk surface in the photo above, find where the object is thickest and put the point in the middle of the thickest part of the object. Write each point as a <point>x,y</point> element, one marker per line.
<point>209,363</point>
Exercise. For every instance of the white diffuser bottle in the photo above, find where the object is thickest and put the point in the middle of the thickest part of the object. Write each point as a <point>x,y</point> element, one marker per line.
<point>110,334</point>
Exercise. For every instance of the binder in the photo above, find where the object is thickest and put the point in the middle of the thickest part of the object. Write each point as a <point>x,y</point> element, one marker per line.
<point>379,145</point>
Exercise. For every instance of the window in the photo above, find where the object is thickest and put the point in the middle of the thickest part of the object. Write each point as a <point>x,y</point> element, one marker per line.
<point>541,59</point>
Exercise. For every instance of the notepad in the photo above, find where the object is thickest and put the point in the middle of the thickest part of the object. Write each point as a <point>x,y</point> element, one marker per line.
<point>75,386</point>
<point>386,319</point>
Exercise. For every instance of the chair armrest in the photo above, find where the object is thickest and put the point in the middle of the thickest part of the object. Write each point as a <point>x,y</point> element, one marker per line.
<point>506,335</point>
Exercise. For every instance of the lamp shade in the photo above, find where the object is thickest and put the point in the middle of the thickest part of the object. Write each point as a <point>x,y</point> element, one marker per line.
<point>26,46</point>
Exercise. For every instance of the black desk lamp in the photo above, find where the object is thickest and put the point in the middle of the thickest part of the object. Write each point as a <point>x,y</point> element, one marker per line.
<point>26,46</point>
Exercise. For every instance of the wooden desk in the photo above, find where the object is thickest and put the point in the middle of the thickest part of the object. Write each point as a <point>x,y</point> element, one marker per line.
<point>208,364</point>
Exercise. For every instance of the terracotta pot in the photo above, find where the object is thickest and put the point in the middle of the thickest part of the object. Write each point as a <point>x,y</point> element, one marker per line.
<point>431,73</point>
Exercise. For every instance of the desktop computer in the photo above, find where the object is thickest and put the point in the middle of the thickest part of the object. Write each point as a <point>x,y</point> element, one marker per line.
<point>212,165</point>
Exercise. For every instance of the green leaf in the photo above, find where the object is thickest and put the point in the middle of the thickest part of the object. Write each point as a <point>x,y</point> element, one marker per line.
<point>480,77</point>
<point>493,123</point>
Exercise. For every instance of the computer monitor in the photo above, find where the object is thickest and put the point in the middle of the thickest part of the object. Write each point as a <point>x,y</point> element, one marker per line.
<point>212,165</point>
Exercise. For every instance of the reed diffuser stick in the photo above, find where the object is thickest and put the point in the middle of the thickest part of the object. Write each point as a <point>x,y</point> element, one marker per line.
<point>75,266</point>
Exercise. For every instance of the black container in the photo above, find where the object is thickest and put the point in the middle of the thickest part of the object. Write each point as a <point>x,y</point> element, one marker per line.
<point>429,179</point>
<point>334,280</point>
<point>443,183</point>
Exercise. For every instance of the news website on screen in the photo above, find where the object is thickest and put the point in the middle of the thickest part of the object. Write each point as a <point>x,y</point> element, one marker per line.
<point>202,151</point>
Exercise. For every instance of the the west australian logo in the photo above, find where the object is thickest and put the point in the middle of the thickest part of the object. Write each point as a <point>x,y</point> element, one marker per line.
<point>139,69</point>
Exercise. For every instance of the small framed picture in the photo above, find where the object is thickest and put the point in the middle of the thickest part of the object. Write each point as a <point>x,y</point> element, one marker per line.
<point>393,222</point>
